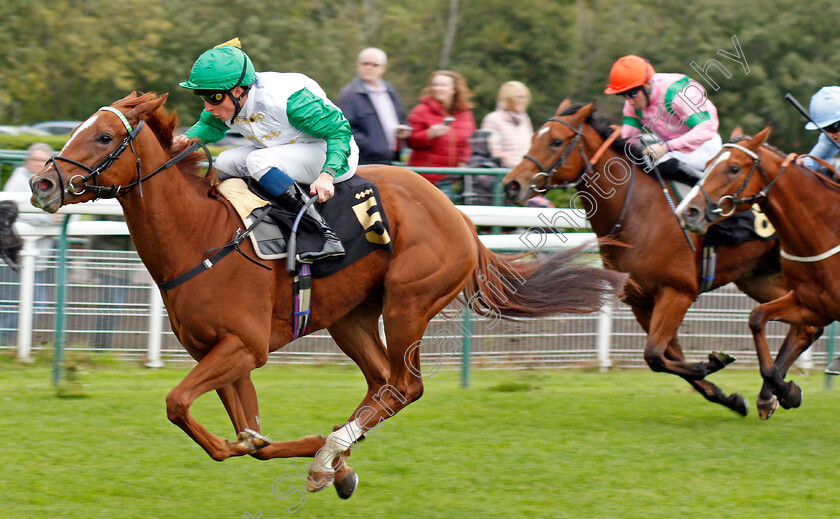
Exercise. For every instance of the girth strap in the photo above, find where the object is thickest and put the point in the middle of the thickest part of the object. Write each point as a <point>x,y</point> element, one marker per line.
<point>208,263</point>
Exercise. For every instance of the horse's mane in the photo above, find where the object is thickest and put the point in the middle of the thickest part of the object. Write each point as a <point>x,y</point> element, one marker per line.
<point>601,123</point>
<point>163,124</point>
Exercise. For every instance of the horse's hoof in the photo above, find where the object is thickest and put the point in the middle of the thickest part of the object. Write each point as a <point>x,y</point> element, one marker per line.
<point>793,398</point>
<point>740,404</point>
<point>766,408</point>
<point>347,486</point>
<point>252,440</point>
<point>724,359</point>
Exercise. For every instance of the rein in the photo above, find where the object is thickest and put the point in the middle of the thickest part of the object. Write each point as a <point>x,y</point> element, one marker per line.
<point>115,191</point>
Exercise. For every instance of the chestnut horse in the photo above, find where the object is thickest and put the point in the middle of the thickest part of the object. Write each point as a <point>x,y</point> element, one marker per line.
<point>623,202</point>
<point>804,207</point>
<point>230,317</point>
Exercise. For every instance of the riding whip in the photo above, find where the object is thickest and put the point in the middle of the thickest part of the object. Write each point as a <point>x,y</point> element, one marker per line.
<point>805,113</point>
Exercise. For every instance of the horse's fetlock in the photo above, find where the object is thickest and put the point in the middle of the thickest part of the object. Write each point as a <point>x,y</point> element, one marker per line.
<point>655,360</point>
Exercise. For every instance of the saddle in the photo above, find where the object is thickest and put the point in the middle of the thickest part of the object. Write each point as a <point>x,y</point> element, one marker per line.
<point>355,214</point>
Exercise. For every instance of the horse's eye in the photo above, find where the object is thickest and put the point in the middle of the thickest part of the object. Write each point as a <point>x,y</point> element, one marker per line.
<point>555,143</point>
<point>734,169</point>
<point>105,138</point>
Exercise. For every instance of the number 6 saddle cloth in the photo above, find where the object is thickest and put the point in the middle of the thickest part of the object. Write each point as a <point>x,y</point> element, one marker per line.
<point>355,214</point>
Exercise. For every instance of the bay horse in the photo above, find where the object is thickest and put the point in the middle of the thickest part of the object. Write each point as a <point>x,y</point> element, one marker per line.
<point>230,317</point>
<point>804,207</point>
<point>573,149</point>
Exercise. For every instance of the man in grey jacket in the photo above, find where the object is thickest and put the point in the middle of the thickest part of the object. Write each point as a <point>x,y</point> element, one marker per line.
<point>374,109</point>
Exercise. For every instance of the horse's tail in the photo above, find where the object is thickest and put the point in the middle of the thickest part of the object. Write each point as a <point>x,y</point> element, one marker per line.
<point>538,284</point>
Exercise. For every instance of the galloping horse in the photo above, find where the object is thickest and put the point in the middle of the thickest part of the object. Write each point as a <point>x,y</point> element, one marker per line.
<point>230,317</point>
<point>804,207</point>
<point>624,203</point>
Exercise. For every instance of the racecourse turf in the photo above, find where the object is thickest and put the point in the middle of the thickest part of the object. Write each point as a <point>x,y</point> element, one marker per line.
<point>534,444</point>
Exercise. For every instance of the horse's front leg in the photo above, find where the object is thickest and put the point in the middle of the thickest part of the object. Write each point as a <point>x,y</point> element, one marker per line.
<point>228,361</point>
<point>789,309</point>
<point>668,312</point>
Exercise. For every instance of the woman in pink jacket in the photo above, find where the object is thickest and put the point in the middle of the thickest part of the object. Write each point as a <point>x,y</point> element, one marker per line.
<point>441,126</point>
<point>511,123</point>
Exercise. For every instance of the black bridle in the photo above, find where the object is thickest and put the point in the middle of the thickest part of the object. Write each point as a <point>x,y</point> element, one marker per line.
<point>715,210</point>
<point>79,184</point>
<point>548,172</point>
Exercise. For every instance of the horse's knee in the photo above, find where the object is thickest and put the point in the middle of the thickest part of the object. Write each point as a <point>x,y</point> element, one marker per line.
<point>414,392</point>
<point>757,320</point>
<point>176,407</point>
<point>656,360</point>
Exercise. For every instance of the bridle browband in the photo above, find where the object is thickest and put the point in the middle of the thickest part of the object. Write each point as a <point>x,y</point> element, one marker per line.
<point>114,191</point>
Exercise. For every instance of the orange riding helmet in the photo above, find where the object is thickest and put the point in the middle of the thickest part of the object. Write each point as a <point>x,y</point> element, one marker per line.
<point>629,72</point>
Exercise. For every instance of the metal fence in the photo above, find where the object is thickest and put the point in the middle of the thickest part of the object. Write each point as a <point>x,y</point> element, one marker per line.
<point>110,300</point>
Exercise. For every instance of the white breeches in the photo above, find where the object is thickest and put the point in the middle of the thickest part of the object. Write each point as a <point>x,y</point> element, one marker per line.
<point>301,161</point>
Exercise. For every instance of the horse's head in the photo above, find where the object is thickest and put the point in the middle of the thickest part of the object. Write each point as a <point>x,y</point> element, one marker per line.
<point>555,159</point>
<point>94,163</point>
<point>733,181</point>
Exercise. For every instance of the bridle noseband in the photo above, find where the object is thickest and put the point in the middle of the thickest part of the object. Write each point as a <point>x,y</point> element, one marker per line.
<point>78,184</point>
<point>547,172</point>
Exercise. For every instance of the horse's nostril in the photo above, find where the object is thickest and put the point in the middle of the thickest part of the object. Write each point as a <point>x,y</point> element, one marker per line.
<point>512,188</point>
<point>691,212</point>
<point>44,184</point>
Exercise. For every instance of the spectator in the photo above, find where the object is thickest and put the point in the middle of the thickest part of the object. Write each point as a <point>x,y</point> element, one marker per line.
<point>511,123</point>
<point>374,109</point>
<point>441,126</point>
<point>112,277</point>
<point>38,154</point>
<point>825,112</point>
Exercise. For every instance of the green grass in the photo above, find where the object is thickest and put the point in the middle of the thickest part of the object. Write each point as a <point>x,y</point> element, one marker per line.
<point>631,444</point>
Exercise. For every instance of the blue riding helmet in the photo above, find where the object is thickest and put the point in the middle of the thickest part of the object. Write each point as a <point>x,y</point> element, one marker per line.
<point>825,107</point>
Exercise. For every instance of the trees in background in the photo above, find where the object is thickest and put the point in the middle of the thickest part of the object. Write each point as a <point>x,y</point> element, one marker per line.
<point>64,58</point>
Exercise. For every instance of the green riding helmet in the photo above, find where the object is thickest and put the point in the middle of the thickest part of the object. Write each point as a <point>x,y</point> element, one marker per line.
<point>221,68</point>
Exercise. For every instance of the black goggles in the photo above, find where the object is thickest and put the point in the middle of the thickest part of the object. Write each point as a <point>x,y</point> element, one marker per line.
<point>630,94</point>
<point>833,127</point>
<point>214,97</point>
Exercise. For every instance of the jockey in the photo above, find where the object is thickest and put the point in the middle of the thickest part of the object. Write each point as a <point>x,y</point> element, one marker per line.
<point>297,135</point>
<point>674,108</point>
<point>825,112</point>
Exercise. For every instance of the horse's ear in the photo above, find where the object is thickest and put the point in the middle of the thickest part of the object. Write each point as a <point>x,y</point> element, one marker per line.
<point>584,113</point>
<point>736,132</point>
<point>760,138</point>
<point>562,108</point>
<point>146,107</point>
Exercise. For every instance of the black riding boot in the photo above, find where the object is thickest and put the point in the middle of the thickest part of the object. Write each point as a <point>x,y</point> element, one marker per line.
<point>673,169</point>
<point>294,199</point>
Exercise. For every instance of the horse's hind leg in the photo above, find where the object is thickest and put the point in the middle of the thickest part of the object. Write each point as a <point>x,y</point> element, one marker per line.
<point>410,301</point>
<point>709,390</point>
